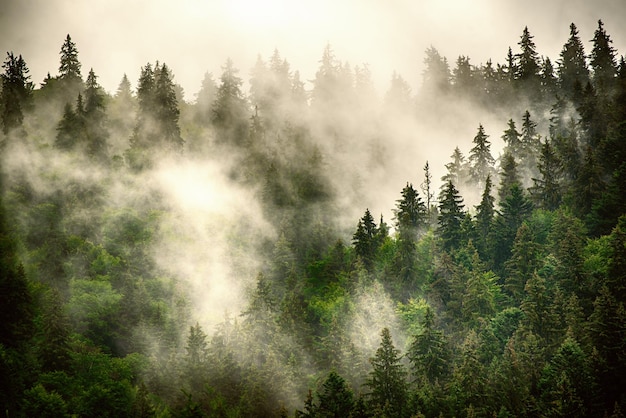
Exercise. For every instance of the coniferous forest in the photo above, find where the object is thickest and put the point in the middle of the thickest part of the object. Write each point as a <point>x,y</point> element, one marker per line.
<point>219,256</point>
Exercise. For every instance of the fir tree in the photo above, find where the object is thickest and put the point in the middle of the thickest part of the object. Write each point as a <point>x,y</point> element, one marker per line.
<point>364,239</point>
<point>484,217</point>
<point>16,92</point>
<point>69,68</point>
<point>512,140</point>
<point>480,159</point>
<point>572,69</point>
<point>387,380</point>
<point>451,216</point>
<point>546,190</point>
<point>410,213</point>
<point>602,61</point>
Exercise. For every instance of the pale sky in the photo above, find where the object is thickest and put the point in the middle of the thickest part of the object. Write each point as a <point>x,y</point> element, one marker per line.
<point>194,36</point>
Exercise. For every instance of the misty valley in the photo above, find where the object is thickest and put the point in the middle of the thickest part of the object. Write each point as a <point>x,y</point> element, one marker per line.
<point>282,247</point>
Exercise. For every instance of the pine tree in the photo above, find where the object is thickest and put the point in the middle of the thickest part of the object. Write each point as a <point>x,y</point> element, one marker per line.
<point>451,216</point>
<point>387,380</point>
<point>480,159</point>
<point>572,66</point>
<point>549,81</point>
<point>16,92</point>
<point>436,75</point>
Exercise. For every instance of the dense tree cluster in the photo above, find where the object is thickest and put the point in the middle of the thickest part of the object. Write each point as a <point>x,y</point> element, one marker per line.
<point>512,307</point>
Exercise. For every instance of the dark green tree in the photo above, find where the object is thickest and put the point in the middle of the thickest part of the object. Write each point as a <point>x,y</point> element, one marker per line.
<point>602,61</point>
<point>364,239</point>
<point>15,95</point>
<point>480,159</point>
<point>429,353</point>
<point>436,75</point>
<point>523,263</point>
<point>71,127</point>
<point>336,400</point>
<point>509,176</point>
<point>166,110</point>
<point>572,65</point>
<point>69,68</point>
<point>387,380</point>
<point>549,81</point>
<point>513,211</point>
<point>410,213</point>
<point>527,74</point>
<point>531,145</point>
<point>546,190</point>
<point>485,212</point>
<point>451,216</point>
<point>96,132</point>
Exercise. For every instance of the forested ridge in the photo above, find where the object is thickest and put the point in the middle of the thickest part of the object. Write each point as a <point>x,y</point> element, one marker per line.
<point>172,257</point>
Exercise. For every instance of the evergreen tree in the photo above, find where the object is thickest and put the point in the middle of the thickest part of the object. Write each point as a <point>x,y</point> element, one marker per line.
<point>512,140</point>
<point>508,176</point>
<point>429,353</point>
<point>166,109</point>
<point>549,81</point>
<point>456,168</point>
<point>69,68</point>
<point>451,216</point>
<point>531,144</point>
<point>426,187</point>
<point>572,66</point>
<point>15,93</point>
<point>602,61</point>
<point>336,399</point>
<point>523,263</point>
<point>484,217</point>
<point>546,190</point>
<point>528,68</point>
<point>513,211</point>
<point>480,159</point>
<point>230,109</point>
<point>436,75</point>
<point>96,132</point>
<point>387,380</point>
<point>410,213</point>
<point>364,239</point>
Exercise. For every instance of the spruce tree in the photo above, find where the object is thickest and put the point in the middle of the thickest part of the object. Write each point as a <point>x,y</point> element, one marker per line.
<point>69,68</point>
<point>429,353</point>
<point>512,140</point>
<point>572,65</point>
<point>546,190</point>
<point>387,380</point>
<point>410,213</point>
<point>602,61</point>
<point>480,159</point>
<point>16,92</point>
<point>509,176</point>
<point>484,217</point>
<point>364,239</point>
<point>336,400</point>
<point>451,216</point>
<point>528,68</point>
<point>96,131</point>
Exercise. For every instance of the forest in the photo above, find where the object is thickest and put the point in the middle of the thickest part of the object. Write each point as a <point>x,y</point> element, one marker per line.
<point>228,255</point>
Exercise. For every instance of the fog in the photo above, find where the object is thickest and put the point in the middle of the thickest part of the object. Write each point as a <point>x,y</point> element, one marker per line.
<point>195,36</point>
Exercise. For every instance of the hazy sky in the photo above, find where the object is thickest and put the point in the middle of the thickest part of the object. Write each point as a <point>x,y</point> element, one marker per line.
<point>194,36</point>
